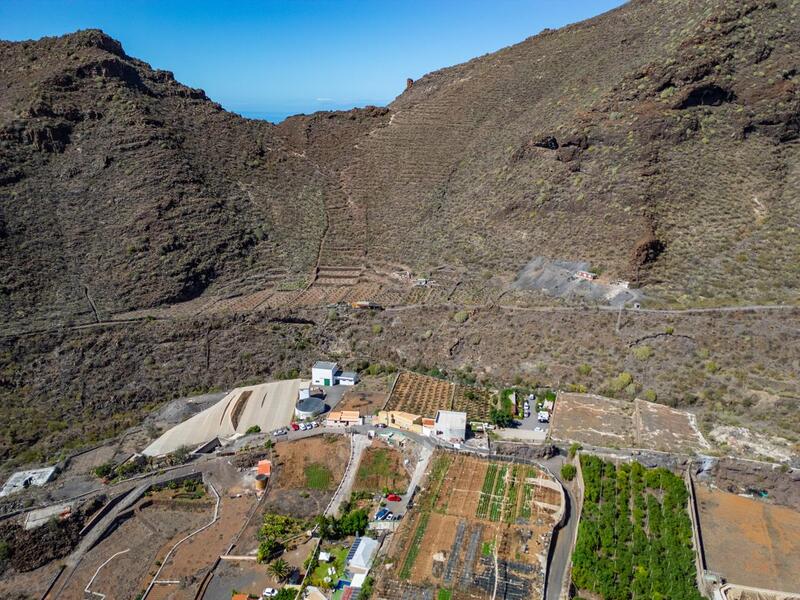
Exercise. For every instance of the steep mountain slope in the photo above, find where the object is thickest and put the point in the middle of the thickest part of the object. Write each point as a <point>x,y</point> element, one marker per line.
<point>122,186</point>
<point>657,142</point>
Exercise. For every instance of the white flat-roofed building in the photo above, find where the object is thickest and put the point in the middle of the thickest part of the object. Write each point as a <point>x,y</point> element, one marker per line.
<point>324,373</point>
<point>347,378</point>
<point>451,426</point>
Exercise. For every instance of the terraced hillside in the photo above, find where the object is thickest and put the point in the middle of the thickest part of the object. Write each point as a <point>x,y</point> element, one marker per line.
<point>628,141</point>
<point>657,143</point>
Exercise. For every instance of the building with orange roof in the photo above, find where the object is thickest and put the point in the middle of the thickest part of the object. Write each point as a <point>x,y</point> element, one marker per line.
<point>264,467</point>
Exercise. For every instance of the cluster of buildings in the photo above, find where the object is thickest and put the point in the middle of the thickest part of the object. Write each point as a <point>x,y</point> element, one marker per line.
<point>448,425</point>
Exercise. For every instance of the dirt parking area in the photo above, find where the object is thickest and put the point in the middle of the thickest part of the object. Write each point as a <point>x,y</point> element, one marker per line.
<point>593,420</point>
<point>748,541</point>
<point>660,427</point>
<point>365,402</point>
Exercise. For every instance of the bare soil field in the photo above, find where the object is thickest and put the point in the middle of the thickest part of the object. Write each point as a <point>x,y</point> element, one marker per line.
<point>27,585</point>
<point>592,420</point>
<point>189,563</point>
<point>291,459</point>
<point>663,428</point>
<point>469,511</point>
<point>381,467</point>
<point>600,421</point>
<point>748,541</point>
<point>288,491</point>
<point>149,533</point>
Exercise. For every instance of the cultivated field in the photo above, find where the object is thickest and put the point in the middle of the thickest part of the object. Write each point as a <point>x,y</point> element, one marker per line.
<point>635,536</point>
<point>470,511</point>
<point>748,541</point>
<point>607,422</point>
<point>424,395</point>
<point>420,394</point>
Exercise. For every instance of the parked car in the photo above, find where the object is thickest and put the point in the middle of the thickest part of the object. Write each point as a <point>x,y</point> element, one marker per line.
<point>393,498</point>
<point>315,424</point>
<point>381,425</point>
<point>295,426</point>
<point>269,593</point>
<point>381,514</point>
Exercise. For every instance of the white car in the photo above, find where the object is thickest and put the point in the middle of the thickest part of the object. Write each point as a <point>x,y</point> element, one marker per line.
<point>269,593</point>
<point>315,424</point>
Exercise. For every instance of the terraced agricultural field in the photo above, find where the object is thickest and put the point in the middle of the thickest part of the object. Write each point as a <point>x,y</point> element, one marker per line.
<point>476,402</point>
<point>424,395</point>
<point>469,510</point>
<point>421,394</point>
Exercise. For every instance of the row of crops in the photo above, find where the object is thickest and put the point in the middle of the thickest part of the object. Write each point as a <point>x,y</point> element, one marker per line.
<point>438,470</point>
<point>635,536</point>
<point>500,494</point>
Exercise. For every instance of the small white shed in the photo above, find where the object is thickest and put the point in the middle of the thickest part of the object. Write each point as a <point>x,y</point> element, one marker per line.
<point>324,373</point>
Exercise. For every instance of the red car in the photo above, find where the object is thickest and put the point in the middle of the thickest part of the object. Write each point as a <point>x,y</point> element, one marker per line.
<point>295,426</point>
<point>393,498</point>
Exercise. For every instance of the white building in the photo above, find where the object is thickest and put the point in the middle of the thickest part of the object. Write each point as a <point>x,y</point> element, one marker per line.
<point>347,378</point>
<point>324,373</point>
<point>451,426</point>
<point>362,554</point>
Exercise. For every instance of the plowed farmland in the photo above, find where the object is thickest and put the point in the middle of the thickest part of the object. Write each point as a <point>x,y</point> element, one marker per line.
<point>470,511</point>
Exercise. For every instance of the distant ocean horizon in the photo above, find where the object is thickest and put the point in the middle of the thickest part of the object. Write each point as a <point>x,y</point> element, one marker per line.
<point>272,117</point>
<point>276,116</point>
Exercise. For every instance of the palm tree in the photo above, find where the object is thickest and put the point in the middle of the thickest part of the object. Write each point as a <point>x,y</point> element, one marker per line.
<point>279,569</point>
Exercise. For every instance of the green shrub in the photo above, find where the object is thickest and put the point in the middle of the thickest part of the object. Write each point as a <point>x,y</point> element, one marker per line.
<point>650,395</point>
<point>584,369</point>
<point>643,352</point>
<point>461,316</point>
<point>253,429</point>
<point>568,472</point>
<point>377,329</point>
<point>573,449</point>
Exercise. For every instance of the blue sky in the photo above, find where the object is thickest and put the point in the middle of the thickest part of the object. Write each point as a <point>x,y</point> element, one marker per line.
<point>278,57</point>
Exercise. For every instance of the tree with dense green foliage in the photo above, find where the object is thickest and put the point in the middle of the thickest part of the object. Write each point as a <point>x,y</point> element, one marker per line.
<point>500,418</point>
<point>279,569</point>
<point>353,522</point>
<point>568,472</point>
<point>287,594</point>
<point>635,537</point>
<point>253,429</point>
